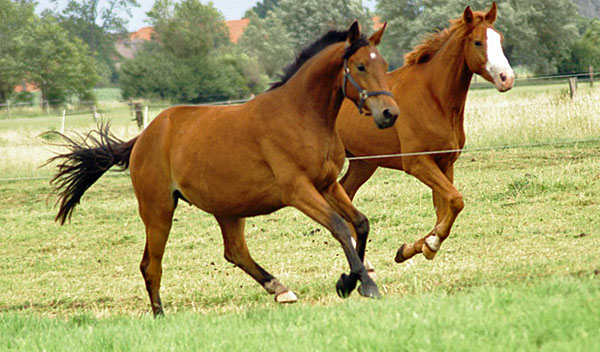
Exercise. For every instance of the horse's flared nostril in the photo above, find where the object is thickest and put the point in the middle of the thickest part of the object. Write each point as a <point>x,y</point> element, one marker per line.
<point>503,76</point>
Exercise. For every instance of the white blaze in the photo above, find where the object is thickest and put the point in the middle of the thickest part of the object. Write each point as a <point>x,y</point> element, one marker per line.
<point>496,61</point>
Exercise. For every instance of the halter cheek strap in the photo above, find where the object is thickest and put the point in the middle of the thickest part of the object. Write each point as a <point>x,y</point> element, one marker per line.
<point>363,94</point>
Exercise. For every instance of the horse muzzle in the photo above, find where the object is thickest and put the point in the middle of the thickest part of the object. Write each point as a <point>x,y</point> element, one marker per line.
<point>384,113</point>
<point>504,80</point>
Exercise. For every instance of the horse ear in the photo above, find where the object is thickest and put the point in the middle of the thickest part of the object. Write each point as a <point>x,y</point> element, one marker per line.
<point>354,32</point>
<point>490,17</point>
<point>468,15</point>
<point>376,37</point>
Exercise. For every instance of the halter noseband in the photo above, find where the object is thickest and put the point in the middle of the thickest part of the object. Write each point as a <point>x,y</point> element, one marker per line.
<point>363,94</point>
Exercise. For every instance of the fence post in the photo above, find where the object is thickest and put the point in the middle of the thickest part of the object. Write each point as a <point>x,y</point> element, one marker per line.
<point>62,122</point>
<point>8,108</point>
<point>139,118</point>
<point>591,76</point>
<point>146,116</point>
<point>573,86</point>
<point>47,107</point>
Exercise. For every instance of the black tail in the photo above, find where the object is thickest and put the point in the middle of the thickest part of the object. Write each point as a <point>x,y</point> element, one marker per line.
<point>88,159</point>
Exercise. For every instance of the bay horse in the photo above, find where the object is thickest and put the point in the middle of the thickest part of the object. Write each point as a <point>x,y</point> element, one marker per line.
<point>431,90</point>
<point>279,149</point>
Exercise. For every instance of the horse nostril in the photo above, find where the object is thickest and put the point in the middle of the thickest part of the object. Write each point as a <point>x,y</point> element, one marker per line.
<point>389,115</point>
<point>503,76</point>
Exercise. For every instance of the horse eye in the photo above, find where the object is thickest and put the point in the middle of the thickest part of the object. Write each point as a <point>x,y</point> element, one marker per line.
<point>478,43</point>
<point>361,67</point>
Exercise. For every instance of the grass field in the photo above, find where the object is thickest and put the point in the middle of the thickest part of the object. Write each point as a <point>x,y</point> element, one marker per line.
<point>521,270</point>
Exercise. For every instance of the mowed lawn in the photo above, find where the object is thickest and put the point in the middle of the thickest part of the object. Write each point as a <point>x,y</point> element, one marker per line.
<point>521,270</point>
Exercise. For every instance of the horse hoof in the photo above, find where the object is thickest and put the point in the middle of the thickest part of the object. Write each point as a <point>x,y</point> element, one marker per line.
<point>345,285</point>
<point>369,291</point>
<point>286,297</point>
<point>399,257</point>
<point>428,252</point>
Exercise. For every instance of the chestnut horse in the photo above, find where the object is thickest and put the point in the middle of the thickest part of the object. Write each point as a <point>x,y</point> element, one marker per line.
<point>431,90</point>
<point>280,149</point>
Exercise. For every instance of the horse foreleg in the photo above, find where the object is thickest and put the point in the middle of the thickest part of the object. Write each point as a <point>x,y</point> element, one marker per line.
<point>307,199</point>
<point>447,201</point>
<point>358,173</point>
<point>236,252</point>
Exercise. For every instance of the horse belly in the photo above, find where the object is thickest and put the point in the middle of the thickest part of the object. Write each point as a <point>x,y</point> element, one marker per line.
<point>232,200</point>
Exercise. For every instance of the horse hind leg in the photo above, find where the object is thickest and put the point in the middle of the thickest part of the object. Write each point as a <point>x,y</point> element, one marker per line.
<point>236,252</point>
<point>157,218</point>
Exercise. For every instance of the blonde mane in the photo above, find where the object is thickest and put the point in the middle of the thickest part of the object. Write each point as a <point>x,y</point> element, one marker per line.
<point>433,42</point>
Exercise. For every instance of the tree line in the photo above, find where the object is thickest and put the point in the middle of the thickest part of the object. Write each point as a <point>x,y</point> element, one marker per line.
<point>67,52</point>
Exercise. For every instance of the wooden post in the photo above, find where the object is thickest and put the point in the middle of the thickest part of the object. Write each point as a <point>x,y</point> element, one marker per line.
<point>146,116</point>
<point>62,122</point>
<point>95,113</point>
<point>47,107</point>
<point>130,107</point>
<point>591,76</point>
<point>573,86</point>
<point>8,107</point>
<point>139,118</point>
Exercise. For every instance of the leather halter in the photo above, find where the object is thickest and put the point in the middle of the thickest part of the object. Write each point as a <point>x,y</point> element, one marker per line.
<point>363,94</point>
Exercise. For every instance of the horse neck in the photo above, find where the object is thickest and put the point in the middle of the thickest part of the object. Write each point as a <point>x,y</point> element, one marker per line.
<point>318,83</point>
<point>449,74</point>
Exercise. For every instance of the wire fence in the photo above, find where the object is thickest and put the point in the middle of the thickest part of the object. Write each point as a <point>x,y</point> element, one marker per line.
<point>575,142</point>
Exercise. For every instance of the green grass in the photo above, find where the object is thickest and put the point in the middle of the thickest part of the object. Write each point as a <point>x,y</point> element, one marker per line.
<point>521,270</point>
<point>551,315</point>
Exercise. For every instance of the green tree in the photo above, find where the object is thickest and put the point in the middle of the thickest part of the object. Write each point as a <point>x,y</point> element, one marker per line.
<point>537,33</point>
<point>58,64</point>
<point>262,8</point>
<point>16,19</point>
<point>97,23</point>
<point>188,28</point>
<point>307,20</point>
<point>267,40</point>
<point>190,59</point>
<point>585,51</point>
<point>289,25</point>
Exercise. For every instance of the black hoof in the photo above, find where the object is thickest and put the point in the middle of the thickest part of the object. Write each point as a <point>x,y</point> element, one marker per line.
<point>399,257</point>
<point>159,313</point>
<point>345,285</point>
<point>369,291</point>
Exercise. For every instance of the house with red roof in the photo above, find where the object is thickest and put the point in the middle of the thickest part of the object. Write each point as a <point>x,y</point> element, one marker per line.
<point>129,46</point>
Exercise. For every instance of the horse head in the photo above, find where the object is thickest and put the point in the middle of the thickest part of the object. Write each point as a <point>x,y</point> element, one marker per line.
<point>364,79</point>
<point>483,48</point>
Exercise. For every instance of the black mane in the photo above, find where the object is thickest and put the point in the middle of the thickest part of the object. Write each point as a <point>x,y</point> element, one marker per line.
<point>313,49</point>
